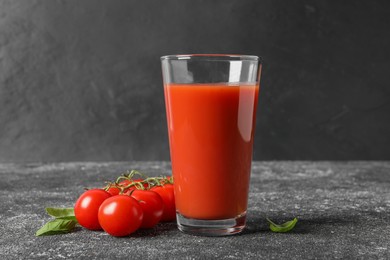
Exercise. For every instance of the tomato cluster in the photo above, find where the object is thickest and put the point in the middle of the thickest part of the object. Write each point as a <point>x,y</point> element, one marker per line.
<point>126,205</point>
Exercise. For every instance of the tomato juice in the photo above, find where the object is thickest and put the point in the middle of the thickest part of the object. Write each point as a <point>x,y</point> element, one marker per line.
<point>211,130</point>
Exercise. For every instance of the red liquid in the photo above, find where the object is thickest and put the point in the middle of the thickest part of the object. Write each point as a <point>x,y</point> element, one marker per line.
<point>211,129</point>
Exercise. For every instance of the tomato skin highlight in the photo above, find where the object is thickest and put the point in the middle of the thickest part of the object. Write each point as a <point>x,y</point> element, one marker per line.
<point>152,206</point>
<point>167,194</point>
<point>87,207</point>
<point>120,215</point>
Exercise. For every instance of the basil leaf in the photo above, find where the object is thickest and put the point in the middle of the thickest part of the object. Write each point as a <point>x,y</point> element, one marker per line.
<point>56,226</point>
<point>62,213</point>
<point>282,228</point>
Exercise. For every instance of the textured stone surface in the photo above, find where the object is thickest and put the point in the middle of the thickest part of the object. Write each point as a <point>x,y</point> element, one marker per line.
<point>81,80</point>
<point>343,210</point>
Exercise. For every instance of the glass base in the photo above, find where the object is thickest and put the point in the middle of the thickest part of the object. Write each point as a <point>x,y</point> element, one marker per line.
<point>201,227</point>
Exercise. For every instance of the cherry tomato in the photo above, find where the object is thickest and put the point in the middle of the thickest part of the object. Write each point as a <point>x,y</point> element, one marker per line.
<point>120,215</point>
<point>152,206</point>
<point>127,182</point>
<point>87,207</point>
<point>113,191</point>
<point>167,194</point>
<point>123,183</point>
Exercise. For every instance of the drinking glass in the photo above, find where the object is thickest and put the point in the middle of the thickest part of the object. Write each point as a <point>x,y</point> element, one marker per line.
<point>211,105</point>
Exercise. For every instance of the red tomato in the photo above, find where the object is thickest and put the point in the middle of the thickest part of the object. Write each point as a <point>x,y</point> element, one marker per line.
<point>87,207</point>
<point>113,191</point>
<point>152,206</point>
<point>123,183</point>
<point>127,182</point>
<point>167,194</point>
<point>120,215</point>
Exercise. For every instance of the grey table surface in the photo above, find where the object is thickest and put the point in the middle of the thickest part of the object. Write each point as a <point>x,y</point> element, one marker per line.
<point>343,210</point>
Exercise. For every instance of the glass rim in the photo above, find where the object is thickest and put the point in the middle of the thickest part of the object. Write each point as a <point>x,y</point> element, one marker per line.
<point>212,57</point>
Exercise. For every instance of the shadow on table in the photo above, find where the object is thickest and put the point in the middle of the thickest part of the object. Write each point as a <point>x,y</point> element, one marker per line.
<point>155,231</point>
<point>305,224</point>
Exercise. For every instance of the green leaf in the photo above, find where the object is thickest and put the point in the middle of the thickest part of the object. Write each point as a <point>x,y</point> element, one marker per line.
<point>56,226</point>
<point>282,228</point>
<point>61,213</point>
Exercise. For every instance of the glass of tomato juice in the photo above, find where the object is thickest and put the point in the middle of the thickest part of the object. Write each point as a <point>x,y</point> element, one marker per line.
<point>211,102</point>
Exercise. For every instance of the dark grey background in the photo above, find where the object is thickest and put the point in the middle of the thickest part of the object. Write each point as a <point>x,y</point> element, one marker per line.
<point>81,80</point>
